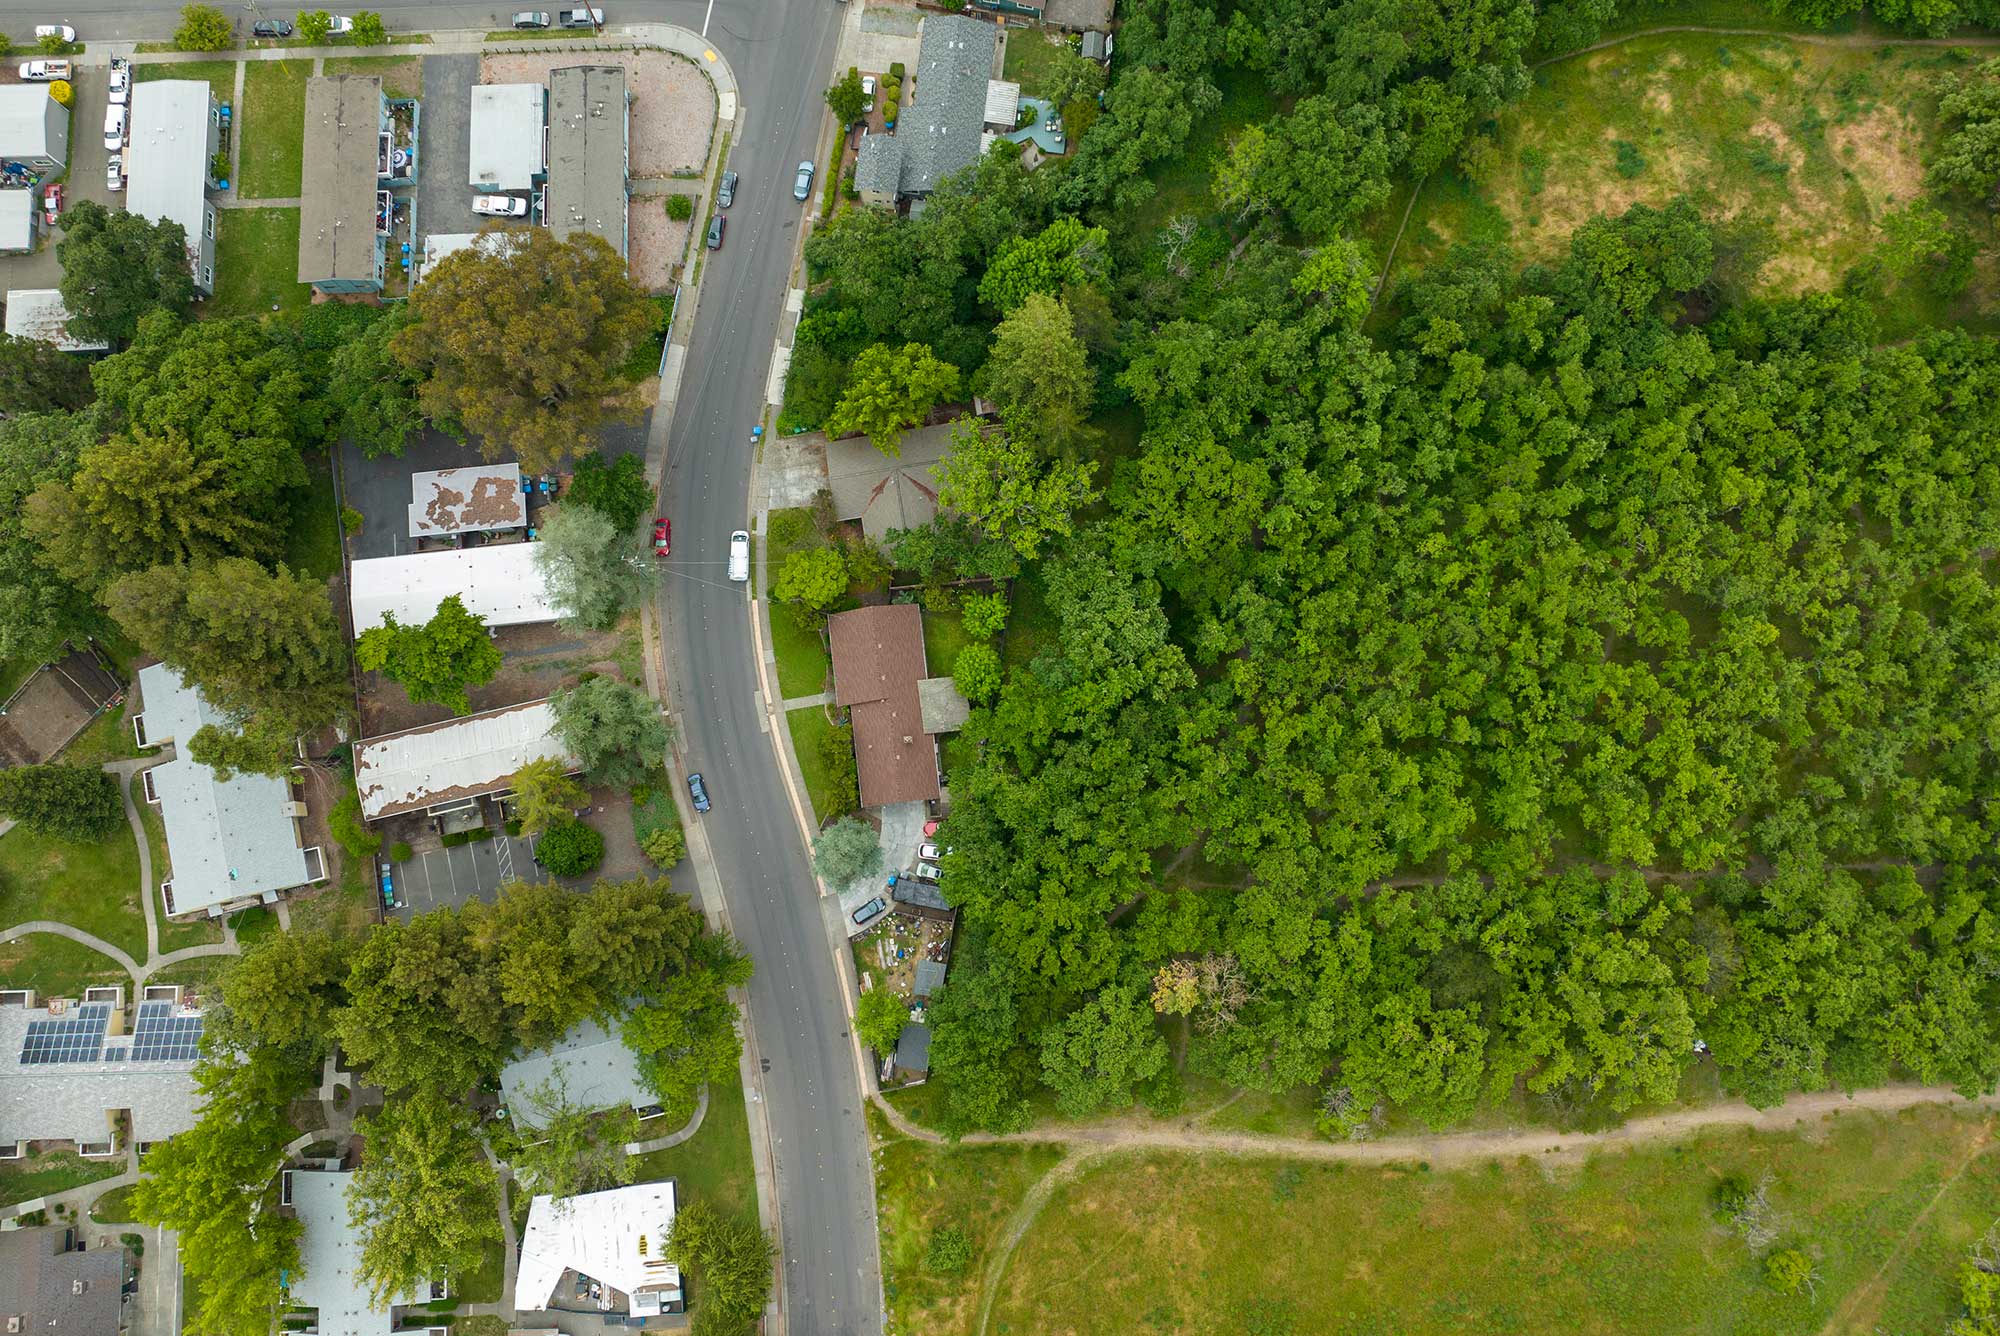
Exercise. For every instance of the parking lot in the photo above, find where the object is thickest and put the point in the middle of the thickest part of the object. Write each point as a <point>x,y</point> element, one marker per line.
<point>441,878</point>
<point>85,180</point>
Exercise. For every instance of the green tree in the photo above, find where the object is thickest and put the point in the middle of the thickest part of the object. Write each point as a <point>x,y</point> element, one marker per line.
<point>1100,1051</point>
<point>368,29</point>
<point>845,97</point>
<point>633,933</point>
<point>38,377</point>
<point>847,851</point>
<point>544,795</point>
<point>1067,76</point>
<point>65,802</point>
<point>1005,487</point>
<point>879,1018</point>
<point>436,662</point>
<point>118,266</point>
<point>314,25</point>
<point>140,500</point>
<point>616,732</point>
<point>889,391</point>
<point>566,1150</point>
<point>1789,1271</point>
<point>684,1034</point>
<point>262,747</point>
<point>977,673</point>
<point>282,992</point>
<point>984,615</point>
<point>523,348</point>
<point>350,832</point>
<point>618,491</point>
<point>1968,159</point>
<point>423,1009</point>
<point>1040,378</point>
<point>593,571</point>
<point>423,1198</point>
<point>203,28</point>
<point>570,849</point>
<point>372,392</point>
<point>815,578</point>
<point>1063,254</point>
<point>730,1261</point>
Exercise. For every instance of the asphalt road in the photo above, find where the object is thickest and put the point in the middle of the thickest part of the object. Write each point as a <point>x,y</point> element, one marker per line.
<point>781,52</point>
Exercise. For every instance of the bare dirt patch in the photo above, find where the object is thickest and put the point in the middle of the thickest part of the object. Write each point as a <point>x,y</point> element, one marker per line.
<point>657,245</point>
<point>537,660</point>
<point>1884,152</point>
<point>673,105</point>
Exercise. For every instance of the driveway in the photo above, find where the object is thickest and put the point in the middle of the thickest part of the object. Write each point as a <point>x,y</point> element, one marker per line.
<point>441,878</point>
<point>444,197</point>
<point>84,181</point>
<point>157,1306</point>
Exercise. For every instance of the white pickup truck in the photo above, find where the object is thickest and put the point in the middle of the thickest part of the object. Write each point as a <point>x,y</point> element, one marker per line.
<point>45,71</point>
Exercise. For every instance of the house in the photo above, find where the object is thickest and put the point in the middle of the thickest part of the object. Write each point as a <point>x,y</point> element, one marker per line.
<point>878,659</point>
<point>590,138</point>
<point>39,313</point>
<point>616,1238</point>
<point>329,1287</point>
<point>176,128</point>
<point>448,767</point>
<point>52,1290</point>
<point>233,842</point>
<point>943,118</point>
<point>497,581</point>
<point>1072,15</point>
<point>480,498</point>
<point>69,1071</point>
<point>17,221</point>
<point>438,245</point>
<point>591,1068</point>
<point>509,137</point>
<point>345,205</point>
<point>34,134</point>
<point>885,494</point>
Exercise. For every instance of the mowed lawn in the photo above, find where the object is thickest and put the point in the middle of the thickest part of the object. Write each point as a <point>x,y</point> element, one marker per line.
<point>713,1165</point>
<point>57,967</point>
<point>272,122</point>
<point>1885,1206</point>
<point>808,725</point>
<point>257,262</point>
<point>220,74</point>
<point>402,76</point>
<point>94,887</point>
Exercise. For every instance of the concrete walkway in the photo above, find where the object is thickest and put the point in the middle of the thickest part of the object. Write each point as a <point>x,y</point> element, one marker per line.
<point>672,1139</point>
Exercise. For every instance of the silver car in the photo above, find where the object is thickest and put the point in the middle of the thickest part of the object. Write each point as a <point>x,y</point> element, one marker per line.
<point>804,185</point>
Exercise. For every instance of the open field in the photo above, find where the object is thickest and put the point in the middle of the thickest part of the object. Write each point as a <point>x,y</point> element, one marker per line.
<point>272,123</point>
<point>1625,1241</point>
<point>257,262</point>
<point>1799,150</point>
<point>94,887</point>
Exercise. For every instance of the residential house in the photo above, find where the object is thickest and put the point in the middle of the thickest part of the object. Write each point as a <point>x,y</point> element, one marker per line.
<point>510,137</point>
<point>616,1238</point>
<point>49,1289</point>
<point>590,139</point>
<point>39,313</point>
<point>352,161</point>
<point>34,134</point>
<point>330,1292</point>
<point>884,493</point>
<point>479,498</point>
<point>1072,15</point>
<point>75,1072</point>
<point>233,842</point>
<point>878,660</point>
<point>498,581</point>
<point>590,1067</point>
<point>18,221</point>
<point>176,129</point>
<point>943,118</point>
<point>445,768</point>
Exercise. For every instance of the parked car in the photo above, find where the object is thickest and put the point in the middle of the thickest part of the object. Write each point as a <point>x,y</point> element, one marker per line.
<point>929,852</point>
<point>51,204</point>
<point>871,911</point>
<point>58,30</point>
<point>698,791</point>
<point>114,173</point>
<point>580,18</point>
<point>868,89</point>
<point>663,536</point>
<point>715,226</point>
<point>804,185</point>
<point>727,195</point>
<point>739,555</point>
<point>341,24</point>
<point>45,71</point>
<point>532,18</point>
<point>271,28</point>
<point>500,206</point>
<point>114,128</point>
<point>121,81</point>
<point>927,872</point>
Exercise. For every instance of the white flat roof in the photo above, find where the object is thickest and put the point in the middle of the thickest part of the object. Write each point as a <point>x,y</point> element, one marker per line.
<point>507,121</point>
<point>474,499</point>
<point>39,313</point>
<point>438,245</point>
<point>17,219</point>
<point>166,163</point>
<point>423,767</point>
<point>330,1260</point>
<point>617,1237</point>
<point>498,581</point>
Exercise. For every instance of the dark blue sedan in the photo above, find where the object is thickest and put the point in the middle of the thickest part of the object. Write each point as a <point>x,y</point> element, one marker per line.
<point>699,790</point>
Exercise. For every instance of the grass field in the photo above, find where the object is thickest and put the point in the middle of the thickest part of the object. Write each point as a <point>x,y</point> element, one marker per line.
<point>944,637</point>
<point>109,738</point>
<point>713,1165</point>
<point>1798,150</point>
<point>402,76</point>
<point>1628,1241</point>
<point>808,724</point>
<point>1029,56</point>
<point>94,887</point>
<point>197,974</point>
<point>51,1171</point>
<point>312,541</point>
<point>272,123</point>
<point>57,967</point>
<point>257,262</point>
<point>221,76</point>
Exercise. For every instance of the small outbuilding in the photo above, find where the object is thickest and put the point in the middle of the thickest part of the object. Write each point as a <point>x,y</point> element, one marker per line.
<point>39,313</point>
<point>479,498</point>
<point>590,1067</point>
<point>17,221</point>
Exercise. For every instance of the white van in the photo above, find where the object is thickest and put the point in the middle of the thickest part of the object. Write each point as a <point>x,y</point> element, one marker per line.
<point>739,555</point>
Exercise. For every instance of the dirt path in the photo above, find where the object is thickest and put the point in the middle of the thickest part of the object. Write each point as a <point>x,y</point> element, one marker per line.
<point>1462,1147</point>
<point>1859,40</point>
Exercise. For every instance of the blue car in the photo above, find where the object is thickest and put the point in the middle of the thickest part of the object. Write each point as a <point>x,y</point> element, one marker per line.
<point>699,790</point>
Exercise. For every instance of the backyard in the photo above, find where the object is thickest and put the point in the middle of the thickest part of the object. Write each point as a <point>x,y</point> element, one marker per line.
<point>257,262</point>
<point>93,886</point>
<point>272,123</point>
<point>1029,57</point>
<point>312,541</point>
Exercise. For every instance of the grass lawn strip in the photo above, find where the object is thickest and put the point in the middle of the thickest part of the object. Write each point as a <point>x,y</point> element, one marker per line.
<point>808,724</point>
<point>713,1165</point>
<point>803,664</point>
<point>402,76</point>
<point>220,74</point>
<point>312,543</point>
<point>271,123</point>
<point>57,967</point>
<point>114,1207</point>
<point>257,263</point>
<point>51,1172</point>
<point>94,887</point>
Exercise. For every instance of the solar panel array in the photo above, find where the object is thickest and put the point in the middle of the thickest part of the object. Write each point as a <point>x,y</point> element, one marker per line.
<point>77,1037</point>
<point>161,1036</point>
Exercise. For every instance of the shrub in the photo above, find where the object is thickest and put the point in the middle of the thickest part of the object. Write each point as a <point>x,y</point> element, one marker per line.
<point>1631,162</point>
<point>977,672</point>
<point>950,1252</point>
<point>368,29</point>
<point>985,615</point>
<point>350,520</point>
<point>665,846</point>
<point>847,851</point>
<point>64,802</point>
<point>203,28</point>
<point>349,832</point>
<point>570,849</point>
<point>1789,1271</point>
<point>879,1018</point>
<point>680,208</point>
<point>836,754</point>
<point>399,852</point>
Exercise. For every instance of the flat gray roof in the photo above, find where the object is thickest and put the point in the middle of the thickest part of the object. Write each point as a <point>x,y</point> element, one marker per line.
<point>39,313</point>
<point>592,1067</point>
<point>330,1257</point>
<point>17,219</point>
<point>166,163</point>
<point>174,711</point>
<point>337,202</point>
<point>27,128</point>
<point>589,121</point>
<point>227,838</point>
<point>507,122</point>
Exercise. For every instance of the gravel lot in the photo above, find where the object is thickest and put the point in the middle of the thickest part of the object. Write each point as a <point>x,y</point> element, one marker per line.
<point>656,243</point>
<point>673,108</point>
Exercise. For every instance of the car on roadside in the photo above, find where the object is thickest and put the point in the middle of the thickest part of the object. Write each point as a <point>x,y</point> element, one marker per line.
<point>62,32</point>
<point>115,121</point>
<point>715,226</point>
<point>698,791</point>
<point>500,206</point>
<point>579,18</point>
<point>871,911</point>
<point>271,28</point>
<point>45,71</point>
<point>530,19</point>
<point>803,186</point>
<point>868,90</point>
<point>726,196</point>
<point>739,555</point>
<point>663,536</point>
<point>114,173</point>
<point>121,81</point>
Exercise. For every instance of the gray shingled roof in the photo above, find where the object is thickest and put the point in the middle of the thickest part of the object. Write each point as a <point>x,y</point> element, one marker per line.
<point>343,130</point>
<point>945,116</point>
<point>930,977</point>
<point>878,165</point>
<point>60,1293</point>
<point>913,1048</point>
<point>73,1101</point>
<point>596,1071</point>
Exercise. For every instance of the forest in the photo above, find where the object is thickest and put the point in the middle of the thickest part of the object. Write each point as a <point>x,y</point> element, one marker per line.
<point>1531,679</point>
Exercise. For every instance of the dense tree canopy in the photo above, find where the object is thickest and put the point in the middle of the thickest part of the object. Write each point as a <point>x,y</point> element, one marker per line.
<point>117,268</point>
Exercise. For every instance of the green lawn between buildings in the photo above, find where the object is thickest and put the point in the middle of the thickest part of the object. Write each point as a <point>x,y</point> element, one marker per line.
<point>808,724</point>
<point>51,1171</point>
<point>402,76</point>
<point>272,124</point>
<point>713,1165</point>
<point>92,886</point>
<point>257,262</point>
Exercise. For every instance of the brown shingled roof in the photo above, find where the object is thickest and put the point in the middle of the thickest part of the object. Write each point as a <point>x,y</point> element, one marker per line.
<point>878,659</point>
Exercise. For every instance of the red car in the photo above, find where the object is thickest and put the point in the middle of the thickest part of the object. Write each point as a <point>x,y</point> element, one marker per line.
<point>52,204</point>
<point>663,537</point>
